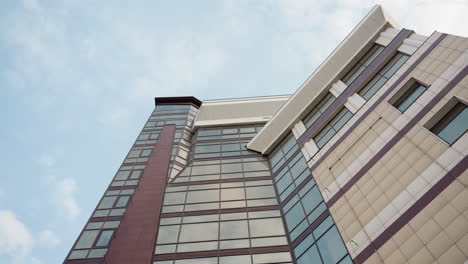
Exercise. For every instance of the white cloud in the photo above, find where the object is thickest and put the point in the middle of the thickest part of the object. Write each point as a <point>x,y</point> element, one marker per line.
<point>15,239</point>
<point>64,197</point>
<point>48,238</point>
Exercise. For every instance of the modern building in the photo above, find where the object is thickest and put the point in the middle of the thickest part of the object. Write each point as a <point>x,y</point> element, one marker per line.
<point>365,163</point>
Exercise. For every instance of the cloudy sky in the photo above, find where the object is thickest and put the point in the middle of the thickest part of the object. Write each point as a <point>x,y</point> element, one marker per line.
<point>78,79</point>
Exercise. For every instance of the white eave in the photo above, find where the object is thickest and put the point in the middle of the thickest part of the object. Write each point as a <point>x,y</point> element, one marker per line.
<point>292,111</point>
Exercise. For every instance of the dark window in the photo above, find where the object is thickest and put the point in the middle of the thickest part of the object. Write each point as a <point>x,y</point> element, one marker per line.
<point>453,125</point>
<point>383,75</point>
<point>409,97</point>
<point>362,64</point>
<point>104,238</point>
<point>318,110</point>
<point>332,128</point>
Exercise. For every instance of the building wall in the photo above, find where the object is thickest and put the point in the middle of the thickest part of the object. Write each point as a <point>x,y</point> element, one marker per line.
<point>383,188</point>
<point>369,189</point>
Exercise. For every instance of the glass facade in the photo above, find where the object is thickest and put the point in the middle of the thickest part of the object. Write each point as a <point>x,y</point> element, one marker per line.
<point>94,240</point>
<point>362,64</point>
<point>224,199</point>
<point>383,75</point>
<point>310,119</point>
<point>310,227</point>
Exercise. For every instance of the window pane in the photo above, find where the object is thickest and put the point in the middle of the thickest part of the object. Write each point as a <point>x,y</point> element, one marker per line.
<point>266,227</point>
<point>168,234</point>
<point>294,216</point>
<point>370,90</point>
<point>199,232</point>
<point>311,199</point>
<point>122,175</point>
<point>326,135</point>
<point>331,247</point>
<point>234,229</point>
<point>122,202</point>
<point>310,256</point>
<point>104,238</point>
<point>260,192</point>
<point>457,126</point>
<point>409,97</point>
<point>87,239</point>
<point>107,202</point>
<point>343,119</point>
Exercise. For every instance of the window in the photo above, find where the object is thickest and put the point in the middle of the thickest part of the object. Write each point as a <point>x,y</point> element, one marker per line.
<point>453,125</point>
<point>407,98</point>
<point>362,64</point>
<point>310,119</point>
<point>383,75</point>
<point>332,128</point>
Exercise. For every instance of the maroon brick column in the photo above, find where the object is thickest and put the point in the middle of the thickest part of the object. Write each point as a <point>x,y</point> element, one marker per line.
<point>135,239</point>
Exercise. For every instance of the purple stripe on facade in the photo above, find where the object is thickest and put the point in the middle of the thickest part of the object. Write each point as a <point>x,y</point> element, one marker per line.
<point>375,65</point>
<point>258,178</point>
<point>309,229</point>
<point>398,136</point>
<point>222,211</point>
<point>379,101</point>
<point>416,208</point>
<point>225,252</point>
<point>105,218</point>
<point>86,261</point>
<point>298,188</point>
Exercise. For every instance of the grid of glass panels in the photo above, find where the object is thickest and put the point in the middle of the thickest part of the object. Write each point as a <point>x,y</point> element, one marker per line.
<point>362,64</point>
<point>332,127</point>
<point>128,175</point>
<point>453,125</point>
<point>323,245</point>
<point>277,258</point>
<point>220,231</point>
<point>293,171</point>
<point>227,132</point>
<point>94,240</point>
<point>113,203</point>
<point>306,208</point>
<point>215,195</point>
<point>383,75</point>
<point>310,119</point>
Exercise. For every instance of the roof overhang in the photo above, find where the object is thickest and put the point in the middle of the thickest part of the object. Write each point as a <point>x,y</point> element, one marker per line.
<point>238,111</point>
<point>326,74</point>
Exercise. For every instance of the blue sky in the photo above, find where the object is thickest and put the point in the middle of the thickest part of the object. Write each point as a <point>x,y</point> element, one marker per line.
<point>78,79</point>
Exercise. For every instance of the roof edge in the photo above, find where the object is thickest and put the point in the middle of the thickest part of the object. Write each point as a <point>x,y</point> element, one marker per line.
<point>178,100</point>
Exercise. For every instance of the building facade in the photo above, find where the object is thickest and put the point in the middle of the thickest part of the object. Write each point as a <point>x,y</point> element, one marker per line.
<point>365,163</point>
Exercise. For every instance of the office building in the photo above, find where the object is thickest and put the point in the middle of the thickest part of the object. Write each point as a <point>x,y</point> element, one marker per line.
<point>364,163</point>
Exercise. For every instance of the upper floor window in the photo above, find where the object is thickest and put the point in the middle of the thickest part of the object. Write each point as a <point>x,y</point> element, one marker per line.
<point>310,119</point>
<point>453,125</point>
<point>383,75</point>
<point>332,127</point>
<point>362,64</point>
<point>409,96</point>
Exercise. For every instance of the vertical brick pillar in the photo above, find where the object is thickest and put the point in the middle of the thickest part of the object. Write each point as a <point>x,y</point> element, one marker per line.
<point>135,239</point>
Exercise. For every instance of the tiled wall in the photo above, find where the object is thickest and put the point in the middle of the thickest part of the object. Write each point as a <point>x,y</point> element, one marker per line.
<point>405,172</point>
